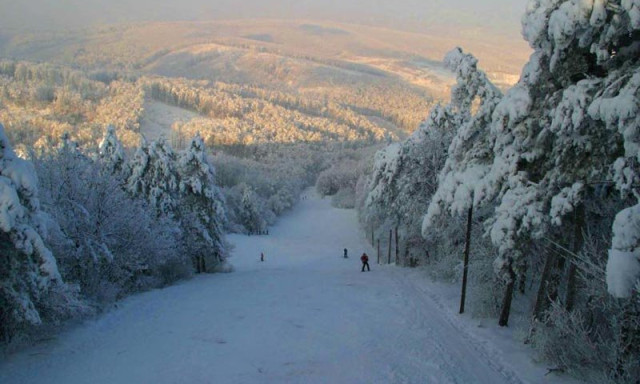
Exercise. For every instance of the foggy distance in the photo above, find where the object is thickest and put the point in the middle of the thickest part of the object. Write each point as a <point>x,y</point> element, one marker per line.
<point>499,16</point>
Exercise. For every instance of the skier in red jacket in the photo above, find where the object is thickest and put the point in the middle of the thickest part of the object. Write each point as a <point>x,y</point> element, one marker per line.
<point>365,262</point>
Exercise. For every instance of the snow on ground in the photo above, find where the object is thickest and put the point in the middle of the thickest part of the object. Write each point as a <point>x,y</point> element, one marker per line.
<point>305,315</point>
<point>159,118</point>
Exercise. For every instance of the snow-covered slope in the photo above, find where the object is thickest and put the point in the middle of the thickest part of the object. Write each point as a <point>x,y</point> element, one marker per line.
<point>305,315</point>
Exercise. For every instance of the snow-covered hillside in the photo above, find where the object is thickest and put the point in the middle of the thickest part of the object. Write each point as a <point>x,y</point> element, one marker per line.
<point>304,315</point>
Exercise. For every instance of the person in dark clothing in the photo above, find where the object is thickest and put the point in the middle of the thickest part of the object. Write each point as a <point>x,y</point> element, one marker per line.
<point>261,256</point>
<point>365,262</point>
<point>345,253</point>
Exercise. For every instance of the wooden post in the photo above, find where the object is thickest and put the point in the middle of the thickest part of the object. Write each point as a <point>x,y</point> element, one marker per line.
<point>397,255</point>
<point>378,251</point>
<point>389,254</point>
<point>465,268</point>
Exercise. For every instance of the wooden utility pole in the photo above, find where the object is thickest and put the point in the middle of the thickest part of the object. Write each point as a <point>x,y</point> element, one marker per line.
<point>465,268</point>
<point>389,254</point>
<point>378,251</point>
<point>397,255</point>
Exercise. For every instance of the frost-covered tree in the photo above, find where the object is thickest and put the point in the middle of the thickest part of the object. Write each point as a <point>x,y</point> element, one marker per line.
<point>469,155</point>
<point>201,207</point>
<point>404,178</point>
<point>28,269</point>
<point>111,152</point>
<point>568,123</point>
<point>154,176</point>
<point>107,243</point>
<point>249,211</point>
<point>459,187</point>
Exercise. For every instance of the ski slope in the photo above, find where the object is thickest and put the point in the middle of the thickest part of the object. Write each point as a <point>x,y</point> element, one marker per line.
<point>305,315</point>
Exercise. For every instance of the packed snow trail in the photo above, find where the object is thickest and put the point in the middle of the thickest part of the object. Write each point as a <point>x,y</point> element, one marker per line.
<point>304,315</point>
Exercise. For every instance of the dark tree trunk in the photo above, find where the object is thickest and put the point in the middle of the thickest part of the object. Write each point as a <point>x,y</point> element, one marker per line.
<point>541,297</point>
<point>508,296</point>
<point>465,261</point>
<point>556,277</point>
<point>196,263</point>
<point>522,277</point>
<point>200,265</point>
<point>577,246</point>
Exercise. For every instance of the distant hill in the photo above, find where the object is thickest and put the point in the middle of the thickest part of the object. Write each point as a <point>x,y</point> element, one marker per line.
<point>249,48</point>
<point>236,82</point>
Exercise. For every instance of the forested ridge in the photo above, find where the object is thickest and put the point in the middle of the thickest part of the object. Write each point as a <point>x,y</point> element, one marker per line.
<point>41,101</point>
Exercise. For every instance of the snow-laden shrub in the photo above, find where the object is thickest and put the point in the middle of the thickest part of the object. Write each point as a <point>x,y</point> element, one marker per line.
<point>174,270</point>
<point>445,249</point>
<point>342,175</point>
<point>564,339</point>
<point>484,290</point>
<point>275,188</point>
<point>62,303</point>
<point>106,242</point>
<point>597,341</point>
<point>246,210</point>
<point>345,198</point>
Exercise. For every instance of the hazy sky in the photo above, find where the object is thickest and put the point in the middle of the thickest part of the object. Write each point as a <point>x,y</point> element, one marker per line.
<point>417,15</point>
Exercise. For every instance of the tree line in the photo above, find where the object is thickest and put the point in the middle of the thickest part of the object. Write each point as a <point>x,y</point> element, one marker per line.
<point>83,228</point>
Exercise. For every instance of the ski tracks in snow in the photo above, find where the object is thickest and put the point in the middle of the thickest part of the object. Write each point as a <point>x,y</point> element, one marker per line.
<point>460,356</point>
<point>305,315</point>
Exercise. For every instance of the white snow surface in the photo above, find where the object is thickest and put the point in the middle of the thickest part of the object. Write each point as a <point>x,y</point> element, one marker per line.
<point>305,315</point>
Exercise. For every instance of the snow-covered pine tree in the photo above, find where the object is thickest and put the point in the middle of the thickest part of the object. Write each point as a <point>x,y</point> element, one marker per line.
<point>404,176</point>
<point>249,211</point>
<point>28,269</point>
<point>460,188</point>
<point>154,176</point>
<point>107,242</point>
<point>404,179</point>
<point>469,158</point>
<point>568,123</point>
<point>111,153</point>
<point>201,207</point>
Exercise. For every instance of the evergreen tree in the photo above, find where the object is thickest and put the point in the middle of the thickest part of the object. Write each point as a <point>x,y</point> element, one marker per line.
<point>249,211</point>
<point>111,152</point>
<point>28,269</point>
<point>201,207</point>
<point>460,183</point>
<point>107,242</point>
<point>154,176</point>
<point>569,123</point>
